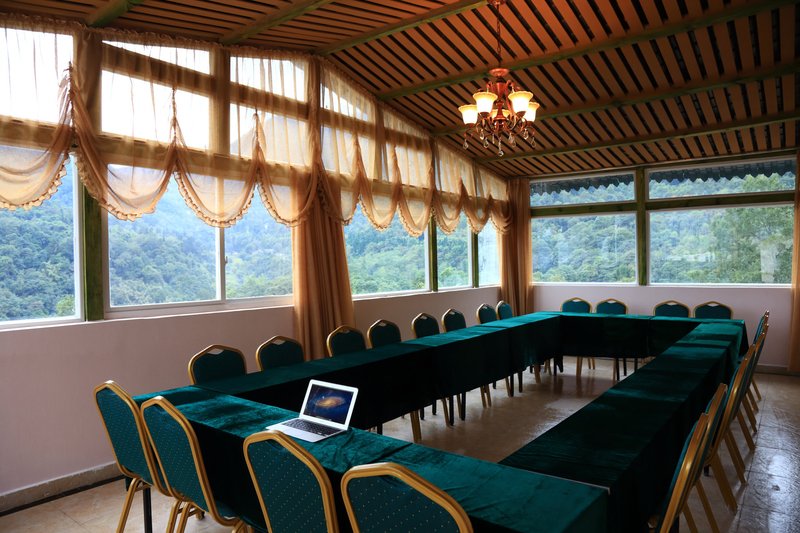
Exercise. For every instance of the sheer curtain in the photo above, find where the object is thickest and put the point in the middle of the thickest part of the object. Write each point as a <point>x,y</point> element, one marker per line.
<point>35,112</point>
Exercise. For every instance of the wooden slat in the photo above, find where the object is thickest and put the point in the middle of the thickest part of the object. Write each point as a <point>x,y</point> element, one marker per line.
<point>273,19</point>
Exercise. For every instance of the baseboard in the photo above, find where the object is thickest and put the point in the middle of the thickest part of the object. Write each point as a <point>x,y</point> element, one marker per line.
<point>55,488</point>
<point>777,370</point>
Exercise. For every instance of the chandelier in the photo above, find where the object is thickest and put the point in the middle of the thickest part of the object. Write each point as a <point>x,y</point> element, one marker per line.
<point>502,110</point>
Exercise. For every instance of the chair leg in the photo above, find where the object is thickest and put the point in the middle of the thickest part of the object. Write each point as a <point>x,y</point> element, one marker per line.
<point>184,518</point>
<point>509,387</point>
<point>483,397</point>
<point>446,412</point>
<point>624,366</point>
<point>736,457</point>
<point>755,387</point>
<point>488,395</point>
<point>752,399</point>
<point>593,363</point>
<point>616,369</point>
<point>537,369</point>
<point>433,408</point>
<point>748,405</point>
<point>126,507</point>
<point>706,506</point>
<point>722,482</point>
<point>747,437</point>
<point>689,519</point>
<point>579,366</point>
<point>422,414</point>
<point>415,430</point>
<point>519,379</point>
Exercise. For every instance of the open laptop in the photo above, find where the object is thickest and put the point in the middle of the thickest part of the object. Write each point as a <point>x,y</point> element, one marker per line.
<point>326,411</point>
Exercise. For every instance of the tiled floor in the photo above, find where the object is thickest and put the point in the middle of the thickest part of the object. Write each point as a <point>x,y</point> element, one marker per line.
<point>769,502</point>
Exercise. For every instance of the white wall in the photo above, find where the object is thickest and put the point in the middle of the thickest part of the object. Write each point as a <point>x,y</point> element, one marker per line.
<point>748,303</point>
<point>50,425</point>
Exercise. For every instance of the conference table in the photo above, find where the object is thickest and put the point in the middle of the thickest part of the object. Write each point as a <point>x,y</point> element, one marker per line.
<point>605,468</point>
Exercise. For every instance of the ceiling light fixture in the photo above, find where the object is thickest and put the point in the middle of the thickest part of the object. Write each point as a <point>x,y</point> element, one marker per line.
<point>502,109</point>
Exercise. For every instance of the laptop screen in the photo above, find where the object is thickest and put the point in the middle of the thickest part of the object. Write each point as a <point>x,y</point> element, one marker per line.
<point>328,403</point>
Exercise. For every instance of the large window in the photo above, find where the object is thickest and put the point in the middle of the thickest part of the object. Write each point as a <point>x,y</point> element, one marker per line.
<point>452,253</point>
<point>38,251</point>
<point>590,190</point>
<point>488,256</point>
<point>593,249</point>
<point>384,261</point>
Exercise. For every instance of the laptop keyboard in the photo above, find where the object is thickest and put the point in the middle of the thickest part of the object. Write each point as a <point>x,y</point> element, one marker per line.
<point>311,427</point>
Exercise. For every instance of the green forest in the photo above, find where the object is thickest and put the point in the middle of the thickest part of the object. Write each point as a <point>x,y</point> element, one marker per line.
<point>735,245</point>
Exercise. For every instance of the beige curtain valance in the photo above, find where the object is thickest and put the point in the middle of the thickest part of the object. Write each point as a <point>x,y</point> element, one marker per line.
<point>139,110</point>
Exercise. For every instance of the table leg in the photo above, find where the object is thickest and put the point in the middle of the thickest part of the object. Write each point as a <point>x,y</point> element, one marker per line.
<point>452,413</point>
<point>148,511</point>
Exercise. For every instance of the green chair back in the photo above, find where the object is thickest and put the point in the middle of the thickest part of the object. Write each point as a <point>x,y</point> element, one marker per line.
<point>611,307</point>
<point>124,428</point>
<point>216,362</point>
<point>486,313</point>
<point>576,305</point>
<point>279,351</point>
<point>453,320</point>
<point>671,308</point>
<point>293,488</point>
<point>504,310</point>
<point>389,498</point>
<point>172,438</point>
<point>713,310</point>
<point>424,325</point>
<point>345,339</point>
<point>383,332</point>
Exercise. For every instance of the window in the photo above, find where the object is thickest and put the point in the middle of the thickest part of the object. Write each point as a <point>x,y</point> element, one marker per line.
<point>453,254</point>
<point>589,190</point>
<point>384,261</point>
<point>598,249</point>
<point>722,245</point>
<point>740,178</point>
<point>166,257</point>
<point>488,256</point>
<point>258,256</point>
<point>38,251</point>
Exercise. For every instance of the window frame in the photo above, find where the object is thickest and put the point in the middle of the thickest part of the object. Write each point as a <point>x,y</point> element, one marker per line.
<point>643,205</point>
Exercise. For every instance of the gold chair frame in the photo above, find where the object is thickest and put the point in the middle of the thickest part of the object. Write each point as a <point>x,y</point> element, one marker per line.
<point>325,487</point>
<point>277,339</point>
<point>339,331</point>
<point>712,303</point>
<point>413,480</point>
<point>205,352</point>
<point>673,303</point>
<point>190,507</point>
<point>380,323</point>
<point>137,483</point>
<point>497,307</point>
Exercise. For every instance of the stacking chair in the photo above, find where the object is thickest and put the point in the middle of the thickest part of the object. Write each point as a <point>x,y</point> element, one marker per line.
<point>126,432</point>
<point>504,310</point>
<point>345,339</point>
<point>747,399</point>
<point>384,494</point>
<point>486,313</point>
<point>453,320</point>
<point>689,465</point>
<point>178,452</point>
<point>279,351</point>
<point>611,306</point>
<point>578,305</point>
<point>424,325</point>
<point>713,310</point>
<point>671,308</point>
<point>293,489</point>
<point>383,332</point>
<point>216,362</point>
<point>761,324</point>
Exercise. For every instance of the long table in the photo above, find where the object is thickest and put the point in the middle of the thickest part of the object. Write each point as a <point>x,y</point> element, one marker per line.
<point>657,403</point>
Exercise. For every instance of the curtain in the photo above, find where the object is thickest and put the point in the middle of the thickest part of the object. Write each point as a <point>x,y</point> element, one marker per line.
<point>794,326</point>
<point>35,113</point>
<point>515,250</point>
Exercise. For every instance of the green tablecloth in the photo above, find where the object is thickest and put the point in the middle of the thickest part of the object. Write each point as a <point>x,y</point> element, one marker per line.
<point>496,497</point>
<point>629,439</point>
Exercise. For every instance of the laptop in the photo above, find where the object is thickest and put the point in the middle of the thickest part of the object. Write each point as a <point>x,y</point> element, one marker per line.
<point>326,411</point>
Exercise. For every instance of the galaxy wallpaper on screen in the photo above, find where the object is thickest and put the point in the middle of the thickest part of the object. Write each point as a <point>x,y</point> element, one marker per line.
<point>329,404</point>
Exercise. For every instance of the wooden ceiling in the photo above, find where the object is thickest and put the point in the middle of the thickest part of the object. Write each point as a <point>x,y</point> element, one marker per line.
<point>621,82</point>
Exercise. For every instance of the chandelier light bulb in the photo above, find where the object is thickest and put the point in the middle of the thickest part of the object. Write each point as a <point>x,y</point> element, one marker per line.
<point>469,113</point>
<point>484,101</point>
<point>519,101</point>
<point>530,114</point>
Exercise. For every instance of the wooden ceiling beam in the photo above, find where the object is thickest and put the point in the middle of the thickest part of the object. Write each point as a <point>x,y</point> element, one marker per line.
<point>406,24</point>
<point>110,12</point>
<point>656,31</point>
<point>701,86</point>
<point>766,120</point>
<point>276,18</point>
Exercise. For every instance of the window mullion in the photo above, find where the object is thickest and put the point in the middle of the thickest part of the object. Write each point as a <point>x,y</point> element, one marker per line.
<point>642,234</point>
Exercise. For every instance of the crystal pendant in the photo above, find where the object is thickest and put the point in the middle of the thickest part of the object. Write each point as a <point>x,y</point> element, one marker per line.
<point>512,141</point>
<point>486,142</point>
<point>501,153</point>
<point>466,144</point>
<point>482,136</point>
<point>525,134</point>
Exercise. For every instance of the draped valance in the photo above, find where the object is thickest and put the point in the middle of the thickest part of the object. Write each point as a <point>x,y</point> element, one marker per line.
<point>140,109</point>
